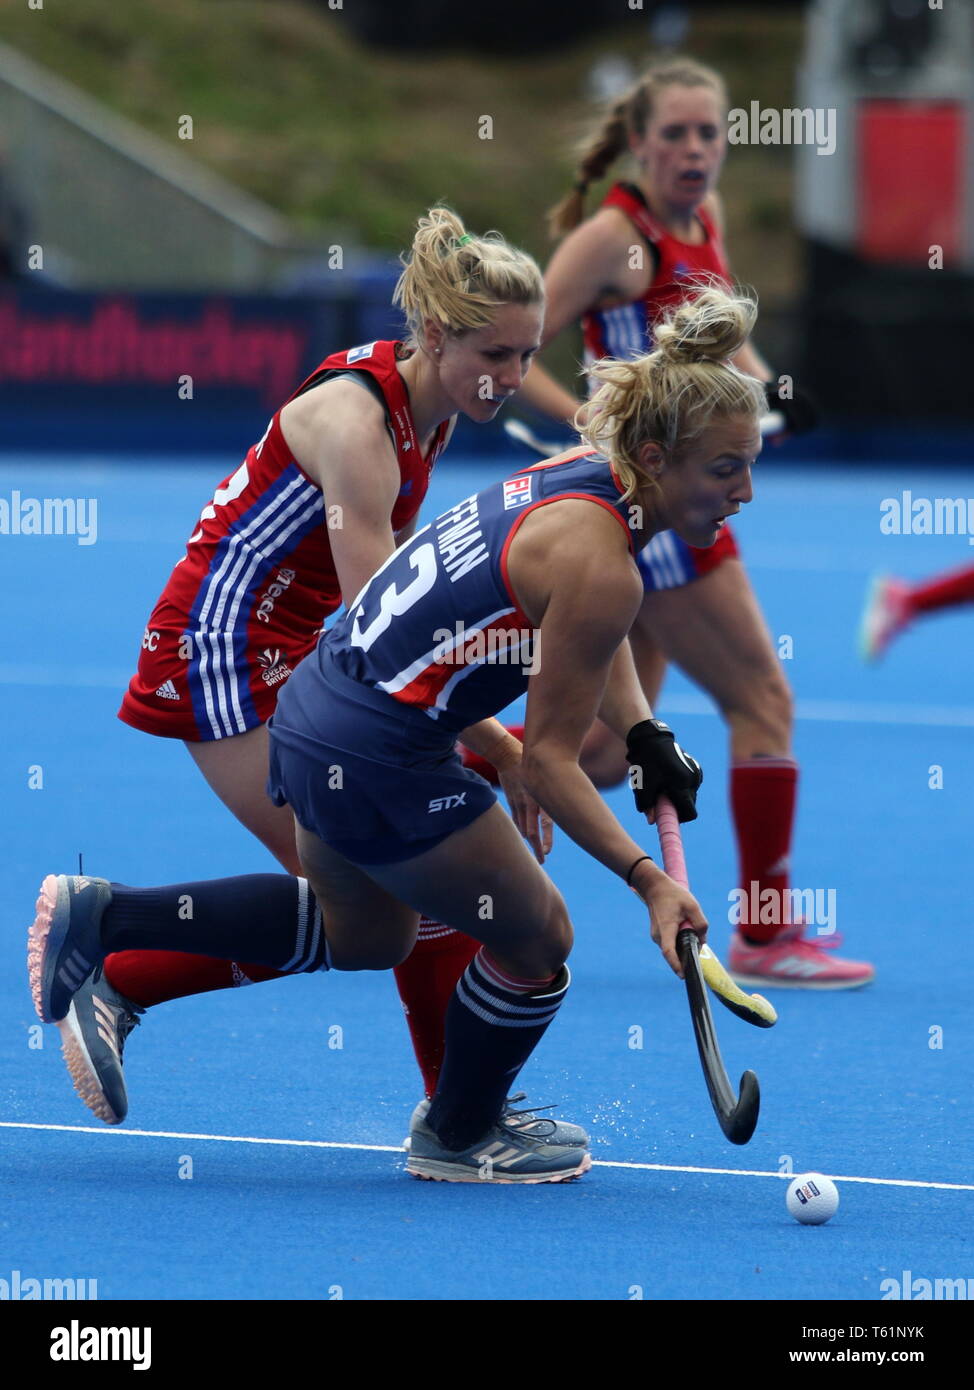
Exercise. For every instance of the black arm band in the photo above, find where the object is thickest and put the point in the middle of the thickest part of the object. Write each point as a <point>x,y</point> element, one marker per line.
<point>633,865</point>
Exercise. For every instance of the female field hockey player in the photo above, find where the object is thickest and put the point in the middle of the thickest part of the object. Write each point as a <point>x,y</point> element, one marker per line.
<point>893,604</point>
<point>618,271</point>
<point>317,506</point>
<point>390,824</point>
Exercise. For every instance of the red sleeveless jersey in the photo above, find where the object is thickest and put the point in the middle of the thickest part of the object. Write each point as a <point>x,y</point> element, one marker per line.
<point>667,562</point>
<point>249,598</point>
<point>627,329</point>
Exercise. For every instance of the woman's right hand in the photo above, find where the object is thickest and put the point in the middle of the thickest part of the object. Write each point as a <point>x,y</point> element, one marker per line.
<point>671,907</point>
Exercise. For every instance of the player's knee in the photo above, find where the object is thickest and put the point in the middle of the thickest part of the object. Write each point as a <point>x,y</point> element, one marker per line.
<point>778,704</point>
<point>766,709</point>
<point>603,759</point>
<point>606,768</point>
<point>287,856</point>
<point>542,942</point>
<point>556,938</point>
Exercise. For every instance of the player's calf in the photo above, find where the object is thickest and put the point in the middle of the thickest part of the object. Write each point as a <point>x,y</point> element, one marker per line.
<point>493,1024</point>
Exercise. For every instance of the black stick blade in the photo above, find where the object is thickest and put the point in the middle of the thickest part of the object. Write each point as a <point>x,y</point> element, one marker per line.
<point>737,1115</point>
<point>742,1121</point>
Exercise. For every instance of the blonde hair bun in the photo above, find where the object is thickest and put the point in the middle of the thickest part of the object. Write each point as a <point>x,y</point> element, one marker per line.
<point>670,395</point>
<point>709,327</point>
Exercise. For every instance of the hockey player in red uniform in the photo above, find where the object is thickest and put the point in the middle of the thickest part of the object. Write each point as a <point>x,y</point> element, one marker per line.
<point>617,272</point>
<point>318,505</point>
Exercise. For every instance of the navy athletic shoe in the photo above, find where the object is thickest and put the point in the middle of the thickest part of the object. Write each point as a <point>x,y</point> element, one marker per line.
<point>503,1154</point>
<point>541,1126</point>
<point>64,942</point>
<point>93,1035</point>
<point>529,1122</point>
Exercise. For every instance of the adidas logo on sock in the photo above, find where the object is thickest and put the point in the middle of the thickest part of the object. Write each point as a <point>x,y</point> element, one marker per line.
<point>168,691</point>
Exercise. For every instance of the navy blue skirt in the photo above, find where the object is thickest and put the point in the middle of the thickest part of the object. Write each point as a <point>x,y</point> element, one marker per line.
<point>374,778</point>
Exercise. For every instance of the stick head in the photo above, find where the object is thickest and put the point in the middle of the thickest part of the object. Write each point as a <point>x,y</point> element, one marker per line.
<point>740,1124</point>
<point>753,1008</point>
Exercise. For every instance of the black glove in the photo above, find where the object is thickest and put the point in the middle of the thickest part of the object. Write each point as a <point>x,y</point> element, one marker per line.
<point>663,769</point>
<point>799,410</point>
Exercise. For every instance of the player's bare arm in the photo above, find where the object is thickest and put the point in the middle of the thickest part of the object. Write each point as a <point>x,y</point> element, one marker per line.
<point>748,359</point>
<point>574,578</point>
<point>337,433</point>
<point>590,267</point>
<point>624,702</point>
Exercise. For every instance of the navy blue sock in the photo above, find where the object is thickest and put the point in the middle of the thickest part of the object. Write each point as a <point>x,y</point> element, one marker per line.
<point>490,1034</point>
<point>271,919</point>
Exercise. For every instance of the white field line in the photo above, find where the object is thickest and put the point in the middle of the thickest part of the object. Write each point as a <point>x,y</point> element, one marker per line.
<point>395,1149</point>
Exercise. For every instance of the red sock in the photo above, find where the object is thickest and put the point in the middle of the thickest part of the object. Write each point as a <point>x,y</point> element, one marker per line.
<point>426,981</point>
<point>943,591</point>
<point>763,792</point>
<point>487,769</point>
<point>152,977</point>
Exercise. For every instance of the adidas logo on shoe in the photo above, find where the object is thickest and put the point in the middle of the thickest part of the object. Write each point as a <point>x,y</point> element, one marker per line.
<point>790,960</point>
<point>167,691</point>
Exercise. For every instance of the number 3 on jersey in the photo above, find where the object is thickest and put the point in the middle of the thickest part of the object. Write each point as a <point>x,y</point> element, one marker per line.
<point>392,603</point>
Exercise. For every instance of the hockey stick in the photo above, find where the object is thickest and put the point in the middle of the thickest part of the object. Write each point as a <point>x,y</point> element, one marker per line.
<point>521,433</point>
<point>738,1115</point>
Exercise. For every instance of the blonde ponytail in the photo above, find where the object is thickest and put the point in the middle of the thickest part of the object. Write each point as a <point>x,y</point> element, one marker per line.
<point>598,153</point>
<point>459,279</point>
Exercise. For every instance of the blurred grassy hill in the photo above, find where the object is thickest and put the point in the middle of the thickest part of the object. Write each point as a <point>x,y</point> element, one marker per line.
<point>352,142</point>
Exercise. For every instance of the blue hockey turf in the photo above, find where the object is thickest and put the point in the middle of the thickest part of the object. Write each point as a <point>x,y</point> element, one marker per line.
<point>261,1155</point>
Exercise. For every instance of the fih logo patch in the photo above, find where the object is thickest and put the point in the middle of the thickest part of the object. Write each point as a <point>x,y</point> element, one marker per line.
<point>517,492</point>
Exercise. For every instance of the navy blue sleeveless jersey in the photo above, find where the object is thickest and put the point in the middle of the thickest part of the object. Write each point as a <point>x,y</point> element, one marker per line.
<point>438,627</point>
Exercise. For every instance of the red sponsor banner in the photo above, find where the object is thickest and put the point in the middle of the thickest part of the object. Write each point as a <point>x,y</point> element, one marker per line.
<point>151,342</point>
<point>910,182</point>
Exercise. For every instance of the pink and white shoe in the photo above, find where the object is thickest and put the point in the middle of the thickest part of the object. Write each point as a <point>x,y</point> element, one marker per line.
<point>791,961</point>
<point>886,614</point>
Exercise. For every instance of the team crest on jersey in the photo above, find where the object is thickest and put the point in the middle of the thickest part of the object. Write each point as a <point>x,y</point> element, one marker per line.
<point>275,668</point>
<point>356,354</point>
<point>517,492</point>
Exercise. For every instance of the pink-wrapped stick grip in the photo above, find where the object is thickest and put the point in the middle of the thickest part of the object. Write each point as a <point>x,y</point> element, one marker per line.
<point>671,843</point>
